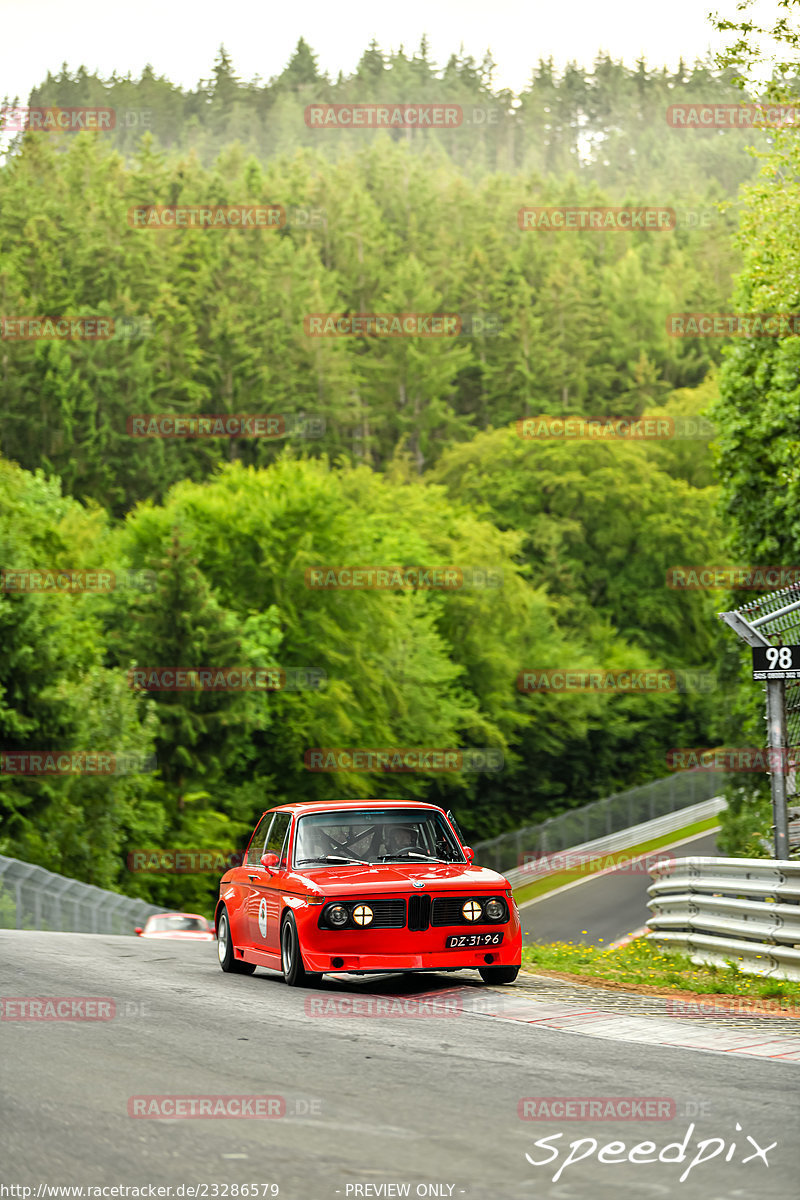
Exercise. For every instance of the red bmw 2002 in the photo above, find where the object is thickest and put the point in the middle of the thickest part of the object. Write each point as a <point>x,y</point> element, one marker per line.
<point>364,886</point>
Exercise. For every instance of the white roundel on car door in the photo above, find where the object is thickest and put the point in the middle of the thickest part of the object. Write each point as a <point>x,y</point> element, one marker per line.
<point>262,917</point>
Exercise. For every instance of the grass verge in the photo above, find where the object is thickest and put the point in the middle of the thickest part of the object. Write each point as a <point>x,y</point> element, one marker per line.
<point>549,883</point>
<point>641,966</point>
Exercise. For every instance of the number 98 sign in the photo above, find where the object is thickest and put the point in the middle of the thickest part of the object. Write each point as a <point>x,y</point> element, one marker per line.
<point>776,662</point>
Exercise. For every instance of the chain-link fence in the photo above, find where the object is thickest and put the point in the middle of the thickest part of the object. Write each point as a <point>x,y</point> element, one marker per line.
<point>598,819</point>
<point>783,630</point>
<point>33,898</point>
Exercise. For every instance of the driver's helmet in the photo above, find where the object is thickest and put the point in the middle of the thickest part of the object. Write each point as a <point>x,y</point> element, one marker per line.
<point>396,837</point>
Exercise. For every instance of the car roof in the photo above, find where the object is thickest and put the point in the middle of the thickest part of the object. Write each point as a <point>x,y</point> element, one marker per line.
<point>306,806</point>
<point>176,914</point>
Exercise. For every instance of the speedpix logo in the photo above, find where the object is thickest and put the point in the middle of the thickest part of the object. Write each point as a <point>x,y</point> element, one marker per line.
<point>616,1153</point>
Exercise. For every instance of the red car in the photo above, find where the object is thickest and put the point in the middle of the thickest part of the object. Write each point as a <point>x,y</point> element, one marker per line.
<point>188,927</point>
<point>364,886</point>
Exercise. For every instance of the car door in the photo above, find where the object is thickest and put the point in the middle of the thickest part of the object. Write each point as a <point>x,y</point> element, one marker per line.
<point>253,874</point>
<point>273,892</point>
<point>264,907</point>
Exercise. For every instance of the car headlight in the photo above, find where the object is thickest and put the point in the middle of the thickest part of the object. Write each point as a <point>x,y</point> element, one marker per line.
<point>363,914</point>
<point>472,910</point>
<point>337,914</point>
<point>495,909</point>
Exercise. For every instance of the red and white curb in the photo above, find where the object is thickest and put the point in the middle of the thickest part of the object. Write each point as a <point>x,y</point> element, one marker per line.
<point>573,1017</point>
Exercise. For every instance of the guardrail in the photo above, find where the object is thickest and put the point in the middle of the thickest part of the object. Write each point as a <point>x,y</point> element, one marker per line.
<point>33,898</point>
<point>539,866</point>
<point>598,819</point>
<point>718,910</point>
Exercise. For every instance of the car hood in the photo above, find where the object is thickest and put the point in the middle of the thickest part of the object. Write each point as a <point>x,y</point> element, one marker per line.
<point>391,878</point>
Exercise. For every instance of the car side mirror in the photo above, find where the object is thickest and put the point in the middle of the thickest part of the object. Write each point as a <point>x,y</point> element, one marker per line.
<point>270,861</point>
<point>469,852</point>
<point>138,930</point>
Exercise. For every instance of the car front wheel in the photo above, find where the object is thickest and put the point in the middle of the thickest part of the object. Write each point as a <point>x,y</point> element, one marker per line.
<point>294,971</point>
<point>227,960</point>
<point>498,974</point>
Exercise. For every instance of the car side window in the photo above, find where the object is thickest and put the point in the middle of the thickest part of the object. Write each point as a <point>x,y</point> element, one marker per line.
<point>256,848</point>
<point>277,834</point>
<point>284,853</point>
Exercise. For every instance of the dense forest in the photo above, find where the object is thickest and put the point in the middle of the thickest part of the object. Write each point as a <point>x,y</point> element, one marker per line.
<point>393,451</point>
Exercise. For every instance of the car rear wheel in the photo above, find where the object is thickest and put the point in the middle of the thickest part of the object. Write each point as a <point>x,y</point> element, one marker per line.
<point>498,974</point>
<point>227,960</point>
<point>294,971</point>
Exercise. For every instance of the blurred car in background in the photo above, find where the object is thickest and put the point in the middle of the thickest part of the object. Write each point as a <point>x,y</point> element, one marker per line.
<point>188,927</point>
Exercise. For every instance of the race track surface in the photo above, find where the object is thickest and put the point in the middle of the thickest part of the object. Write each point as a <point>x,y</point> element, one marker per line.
<point>417,1102</point>
<point>601,908</point>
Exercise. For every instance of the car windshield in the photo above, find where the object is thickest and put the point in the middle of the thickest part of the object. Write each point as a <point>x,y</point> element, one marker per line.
<point>173,924</point>
<point>375,836</point>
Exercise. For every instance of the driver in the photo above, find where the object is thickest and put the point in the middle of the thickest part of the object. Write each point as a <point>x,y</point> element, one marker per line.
<point>399,837</point>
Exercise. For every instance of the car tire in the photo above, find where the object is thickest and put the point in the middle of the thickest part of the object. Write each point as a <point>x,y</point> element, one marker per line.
<point>498,974</point>
<point>227,959</point>
<point>294,971</point>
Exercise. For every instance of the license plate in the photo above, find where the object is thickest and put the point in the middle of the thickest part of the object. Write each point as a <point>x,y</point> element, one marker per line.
<point>466,941</point>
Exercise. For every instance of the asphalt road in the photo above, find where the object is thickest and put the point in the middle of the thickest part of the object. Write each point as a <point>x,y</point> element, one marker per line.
<point>368,1101</point>
<point>601,908</point>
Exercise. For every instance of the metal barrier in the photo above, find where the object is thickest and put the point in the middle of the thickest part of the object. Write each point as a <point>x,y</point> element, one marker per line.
<point>33,898</point>
<point>718,910</point>
<point>635,835</point>
<point>598,819</point>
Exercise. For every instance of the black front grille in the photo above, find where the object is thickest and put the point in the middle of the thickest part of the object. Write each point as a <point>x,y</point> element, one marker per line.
<point>389,914</point>
<point>419,912</point>
<point>447,911</point>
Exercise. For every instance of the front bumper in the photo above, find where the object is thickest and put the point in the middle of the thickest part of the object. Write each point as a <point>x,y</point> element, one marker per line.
<point>405,950</point>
